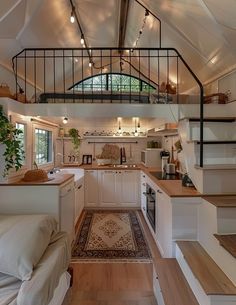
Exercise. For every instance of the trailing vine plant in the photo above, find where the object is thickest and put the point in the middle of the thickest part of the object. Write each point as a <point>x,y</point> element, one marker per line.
<point>9,137</point>
<point>74,134</point>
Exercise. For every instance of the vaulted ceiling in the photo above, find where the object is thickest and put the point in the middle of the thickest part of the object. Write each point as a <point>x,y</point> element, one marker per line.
<point>203,31</point>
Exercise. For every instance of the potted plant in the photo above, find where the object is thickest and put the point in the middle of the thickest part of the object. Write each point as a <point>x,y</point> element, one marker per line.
<point>13,153</point>
<point>74,134</point>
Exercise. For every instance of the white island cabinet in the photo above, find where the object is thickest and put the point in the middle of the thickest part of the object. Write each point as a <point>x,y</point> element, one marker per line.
<point>52,198</point>
<point>112,188</point>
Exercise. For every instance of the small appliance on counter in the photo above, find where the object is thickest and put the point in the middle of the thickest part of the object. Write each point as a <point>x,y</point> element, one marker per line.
<point>150,157</point>
<point>169,169</point>
<point>186,181</point>
<point>87,159</point>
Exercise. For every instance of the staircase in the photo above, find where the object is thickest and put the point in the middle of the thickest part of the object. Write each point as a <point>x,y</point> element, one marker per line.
<point>218,174</point>
<point>203,271</point>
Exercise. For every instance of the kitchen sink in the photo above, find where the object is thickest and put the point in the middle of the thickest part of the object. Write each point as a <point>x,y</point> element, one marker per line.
<point>123,165</point>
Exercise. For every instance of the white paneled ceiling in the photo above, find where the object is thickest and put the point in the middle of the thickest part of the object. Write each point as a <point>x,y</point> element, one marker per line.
<point>204,31</point>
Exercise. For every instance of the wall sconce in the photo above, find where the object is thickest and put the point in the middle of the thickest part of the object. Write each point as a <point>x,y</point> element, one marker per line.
<point>119,126</point>
<point>65,120</point>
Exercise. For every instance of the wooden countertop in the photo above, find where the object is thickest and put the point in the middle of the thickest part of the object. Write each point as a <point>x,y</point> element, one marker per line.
<point>172,188</point>
<point>110,167</point>
<point>57,179</point>
<point>222,201</point>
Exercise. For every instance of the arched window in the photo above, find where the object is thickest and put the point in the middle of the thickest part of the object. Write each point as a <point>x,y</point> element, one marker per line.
<point>113,82</point>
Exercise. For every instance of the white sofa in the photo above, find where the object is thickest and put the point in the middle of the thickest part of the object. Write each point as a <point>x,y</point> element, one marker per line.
<point>34,259</point>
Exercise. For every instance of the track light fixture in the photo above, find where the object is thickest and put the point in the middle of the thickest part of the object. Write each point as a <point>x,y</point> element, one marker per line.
<point>65,120</point>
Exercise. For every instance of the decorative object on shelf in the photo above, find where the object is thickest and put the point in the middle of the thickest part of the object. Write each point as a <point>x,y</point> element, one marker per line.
<point>110,153</point>
<point>9,136</point>
<point>74,134</point>
<point>5,90</point>
<point>61,132</point>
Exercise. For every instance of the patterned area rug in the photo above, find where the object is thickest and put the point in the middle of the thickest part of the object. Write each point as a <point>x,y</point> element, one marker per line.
<point>111,236</point>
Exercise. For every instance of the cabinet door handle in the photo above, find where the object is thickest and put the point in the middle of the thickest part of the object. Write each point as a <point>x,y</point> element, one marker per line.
<point>158,191</point>
<point>144,176</point>
<point>79,187</point>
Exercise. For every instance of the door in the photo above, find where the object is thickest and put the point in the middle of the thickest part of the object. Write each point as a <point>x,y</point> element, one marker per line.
<point>107,187</point>
<point>130,188</point>
<point>91,188</point>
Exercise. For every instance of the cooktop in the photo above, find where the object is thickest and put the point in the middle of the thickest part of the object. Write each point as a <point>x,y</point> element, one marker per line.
<point>165,176</point>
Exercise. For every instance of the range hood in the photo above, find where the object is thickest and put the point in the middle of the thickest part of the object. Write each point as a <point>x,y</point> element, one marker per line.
<point>165,129</point>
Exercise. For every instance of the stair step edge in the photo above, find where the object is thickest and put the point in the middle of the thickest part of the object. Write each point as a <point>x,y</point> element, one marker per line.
<point>211,278</point>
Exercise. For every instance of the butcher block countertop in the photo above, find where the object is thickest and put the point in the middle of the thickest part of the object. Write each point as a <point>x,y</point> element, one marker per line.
<point>57,179</point>
<point>172,188</point>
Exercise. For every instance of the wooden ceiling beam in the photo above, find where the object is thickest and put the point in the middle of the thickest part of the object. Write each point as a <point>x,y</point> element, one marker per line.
<point>124,10</point>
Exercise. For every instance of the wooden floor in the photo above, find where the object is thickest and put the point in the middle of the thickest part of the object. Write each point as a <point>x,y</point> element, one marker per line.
<point>115,283</point>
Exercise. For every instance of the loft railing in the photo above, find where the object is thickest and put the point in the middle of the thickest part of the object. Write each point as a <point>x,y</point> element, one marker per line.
<point>77,75</point>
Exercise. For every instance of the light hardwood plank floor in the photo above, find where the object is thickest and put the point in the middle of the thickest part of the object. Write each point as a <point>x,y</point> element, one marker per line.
<point>115,283</point>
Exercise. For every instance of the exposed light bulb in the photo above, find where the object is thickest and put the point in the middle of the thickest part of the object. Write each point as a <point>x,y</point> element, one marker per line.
<point>136,133</point>
<point>72,17</point>
<point>76,60</point>
<point>65,120</point>
<point>82,39</point>
<point>138,127</point>
<point>90,64</point>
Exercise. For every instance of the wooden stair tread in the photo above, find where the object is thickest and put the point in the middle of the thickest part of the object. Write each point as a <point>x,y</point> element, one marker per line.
<point>228,242</point>
<point>212,279</point>
<point>222,201</point>
<point>217,166</point>
<point>174,287</point>
<point>211,119</point>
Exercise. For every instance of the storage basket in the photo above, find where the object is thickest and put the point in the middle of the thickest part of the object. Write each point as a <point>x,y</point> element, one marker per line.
<point>5,90</point>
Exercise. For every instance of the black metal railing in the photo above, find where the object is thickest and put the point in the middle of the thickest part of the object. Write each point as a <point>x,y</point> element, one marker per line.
<point>148,75</point>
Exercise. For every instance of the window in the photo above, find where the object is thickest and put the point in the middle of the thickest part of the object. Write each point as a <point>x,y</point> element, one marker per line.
<point>43,146</point>
<point>22,138</point>
<point>113,82</point>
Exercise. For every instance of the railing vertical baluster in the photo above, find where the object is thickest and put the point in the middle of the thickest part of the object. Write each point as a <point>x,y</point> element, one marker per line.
<point>101,74</point>
<point>25,79</point>
<point>111,68</point>
<point>64,80</point>
<point>44,71</point>
<point>54,74</point>
<point>168,78</point>
<point>82,71</point>
<point>130,72</point>
<point>177,79</point>
<point>158,75</point>
<point>35,75</point>
<point>139,67</point>
<point>73,75</point>
<point>149,74</point>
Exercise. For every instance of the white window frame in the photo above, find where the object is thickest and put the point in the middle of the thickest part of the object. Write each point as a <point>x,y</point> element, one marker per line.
<point>47,165</point>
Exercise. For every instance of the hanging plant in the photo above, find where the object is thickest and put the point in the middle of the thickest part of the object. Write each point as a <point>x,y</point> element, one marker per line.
<point>9,136</point>
<point>74,134</point>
